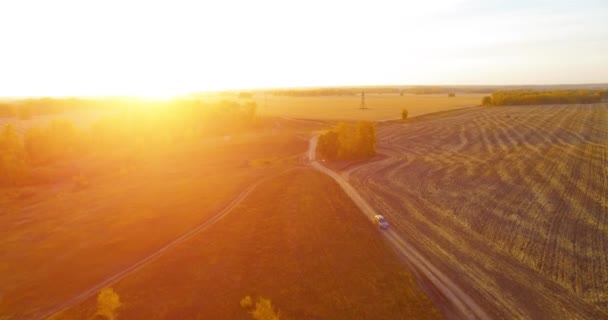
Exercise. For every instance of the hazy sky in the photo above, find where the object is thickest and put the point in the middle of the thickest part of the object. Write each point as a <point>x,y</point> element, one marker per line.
<point>64,47</point>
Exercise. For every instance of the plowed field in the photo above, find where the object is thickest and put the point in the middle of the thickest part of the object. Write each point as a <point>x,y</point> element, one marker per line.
<point>510,202</point>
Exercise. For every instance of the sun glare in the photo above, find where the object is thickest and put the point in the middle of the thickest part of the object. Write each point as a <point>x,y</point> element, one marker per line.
<point>159,49</point>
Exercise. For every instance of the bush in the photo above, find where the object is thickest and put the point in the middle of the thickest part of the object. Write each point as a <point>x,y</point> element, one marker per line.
<point>404,114</point>
<point>246,302</point>
<point>264,310</point>
<point>486,101</point>
<point>451,94</point>
<point>348,141</point>
<point>107,303</point>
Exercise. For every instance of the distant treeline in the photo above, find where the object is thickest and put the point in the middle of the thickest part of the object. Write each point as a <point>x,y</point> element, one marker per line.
<point>315,92</point>
<point>348,141</point>
<point>428,90</point>
<point>527,97</point>
<point>133,131</point>
<point>375,90</point>
<point>357,91</point>
<point>27,108</point>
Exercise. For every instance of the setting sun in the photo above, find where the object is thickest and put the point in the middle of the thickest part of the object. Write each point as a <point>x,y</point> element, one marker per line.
<point>292,160</point>
<point>162,48</point>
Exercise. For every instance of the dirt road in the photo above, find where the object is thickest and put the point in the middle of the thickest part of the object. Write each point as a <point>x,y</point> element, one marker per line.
<point>509,203</point>
<point>154,255</point>
<point>466,306</point>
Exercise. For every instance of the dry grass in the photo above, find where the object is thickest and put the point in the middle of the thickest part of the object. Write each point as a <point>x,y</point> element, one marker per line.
<point>380,106</point>
<point>57,240</point>
<point>509,201</point>
<point>297,240</point>
<point>82,118</point>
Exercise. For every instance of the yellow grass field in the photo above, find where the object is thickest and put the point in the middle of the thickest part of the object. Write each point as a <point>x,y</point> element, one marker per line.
<point>297,240</point>
<point>57,240</point>
<point>379,106</point>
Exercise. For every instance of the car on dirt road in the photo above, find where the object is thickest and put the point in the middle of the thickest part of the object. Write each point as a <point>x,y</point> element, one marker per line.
<point>380,221</point>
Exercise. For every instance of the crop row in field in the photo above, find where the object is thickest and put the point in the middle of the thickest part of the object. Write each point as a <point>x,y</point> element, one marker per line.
<point>511,201</point>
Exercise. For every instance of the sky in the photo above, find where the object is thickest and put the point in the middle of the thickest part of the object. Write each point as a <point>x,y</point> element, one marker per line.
<point>163,48</point>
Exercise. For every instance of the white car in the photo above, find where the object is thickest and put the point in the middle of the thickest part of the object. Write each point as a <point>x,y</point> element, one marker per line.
<point>380,221</point>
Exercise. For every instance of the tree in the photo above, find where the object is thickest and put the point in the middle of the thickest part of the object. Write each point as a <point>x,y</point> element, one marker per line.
<point>59,140</point>
<point>486,101</point>
<point>12,157</point>
<point>404,114</point>
<point>264,310</point>
<point>531,97</point>
<point>327,145</point>
<point>348,141</point>
<point>366,135</point>
<point>107,303</point>
<point>246,302</point>
<point>245,95</point>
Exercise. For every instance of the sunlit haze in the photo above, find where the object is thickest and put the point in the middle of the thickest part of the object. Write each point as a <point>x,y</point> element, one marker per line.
<point>158,48</point>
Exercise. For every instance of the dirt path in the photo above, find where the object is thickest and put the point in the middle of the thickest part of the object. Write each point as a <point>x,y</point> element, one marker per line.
<point>466,306</point>
<point>154,255</point>
<point>508,202</point>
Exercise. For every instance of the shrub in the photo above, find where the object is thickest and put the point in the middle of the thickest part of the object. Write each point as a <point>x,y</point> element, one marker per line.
<point>451,94</point>
<point>264,310</point>
<point>107,303</point>
<point>486,101</point>
<point>246,302</point>
<point>404,114</point>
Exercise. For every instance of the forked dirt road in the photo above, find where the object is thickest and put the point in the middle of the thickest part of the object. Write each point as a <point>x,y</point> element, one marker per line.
<point>466,306</point>
<point>154,255</point>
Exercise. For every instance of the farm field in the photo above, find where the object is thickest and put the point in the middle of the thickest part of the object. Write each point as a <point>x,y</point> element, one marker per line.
<point>82,119</point>
<point>297,240</point>
<point>294,238</point>
<point>380,106</point>
<point>510,202</point>
<point>57,240</point>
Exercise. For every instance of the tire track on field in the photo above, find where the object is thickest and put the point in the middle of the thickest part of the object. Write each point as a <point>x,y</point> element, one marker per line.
<point>468,308</point>
<point>80,297</point>
<point>518,166</point>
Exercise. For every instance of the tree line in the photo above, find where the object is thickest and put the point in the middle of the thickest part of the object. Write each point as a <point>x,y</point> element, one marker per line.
<point>127,133</point>
<point>348,141</point>
<point>528,97</point>
<point>27,108</point>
